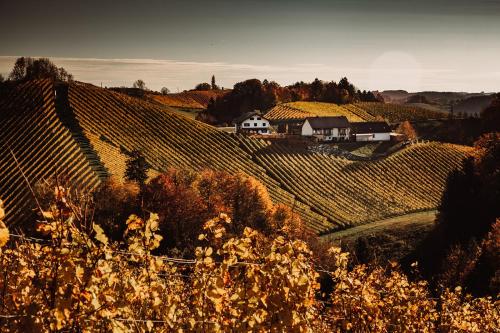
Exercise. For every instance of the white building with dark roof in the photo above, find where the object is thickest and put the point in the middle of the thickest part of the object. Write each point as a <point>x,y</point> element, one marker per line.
<point>371,131</point>
<point>252,123</point>
<point>327,128</point>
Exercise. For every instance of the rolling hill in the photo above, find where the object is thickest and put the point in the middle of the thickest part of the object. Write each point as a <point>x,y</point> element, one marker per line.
<point>355,192</point>
<point>193,99</point>
<point>85,133</point>
<point>465,103</point>
<point>362,111</point>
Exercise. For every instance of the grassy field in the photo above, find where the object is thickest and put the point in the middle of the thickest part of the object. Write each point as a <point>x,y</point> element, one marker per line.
<point>189,113</point>
<point>393,225</point>
<point>387,240</point>
<point>366,149</point>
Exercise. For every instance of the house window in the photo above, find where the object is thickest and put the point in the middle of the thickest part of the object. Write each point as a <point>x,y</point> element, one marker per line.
<point>255,124</point>
<point>246,124</point>
<point>264,124</point>
<point>342,131</point>
<point>251,118</point>
<point>264,131</point>
<point>258,118</point>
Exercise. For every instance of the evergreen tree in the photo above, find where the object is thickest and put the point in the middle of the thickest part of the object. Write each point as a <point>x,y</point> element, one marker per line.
<point>136,168</point>
<point>214,86</point>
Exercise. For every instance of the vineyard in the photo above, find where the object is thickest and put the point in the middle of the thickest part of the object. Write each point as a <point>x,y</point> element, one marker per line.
<point>363,111</point>
<point>351,193</point>
<point>36,145</point>
<point>302,110</point>
<point>85,133</point>
<point>189,99</point>
<point>395,113</point>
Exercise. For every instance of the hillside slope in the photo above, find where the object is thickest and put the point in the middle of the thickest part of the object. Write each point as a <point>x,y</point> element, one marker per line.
<point>189,99</point>
<point>362,111</point>
<point>86,132</point>
<point>302,110</point>
<point>32,133</point>
<point>355,192</point>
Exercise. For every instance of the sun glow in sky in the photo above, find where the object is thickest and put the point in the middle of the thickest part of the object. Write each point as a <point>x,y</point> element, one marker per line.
<point>387,44</point>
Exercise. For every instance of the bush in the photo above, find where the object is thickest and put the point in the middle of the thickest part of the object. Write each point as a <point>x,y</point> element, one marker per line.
<point>78,280</point>
<point>184,200</point>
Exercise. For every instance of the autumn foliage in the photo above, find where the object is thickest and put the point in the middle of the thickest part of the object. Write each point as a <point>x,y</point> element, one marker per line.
<point>73,278</point>
<point>185,200</point>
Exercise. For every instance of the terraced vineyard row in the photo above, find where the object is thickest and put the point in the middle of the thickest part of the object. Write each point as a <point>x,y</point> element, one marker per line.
<point>42,145</point>
<point>395,113</point>
<point>363,111</point>
<point>84,133</point>
<point>302,110</point>
<point>189,99</point>
<point>167,140</point>
<point>351,193</point>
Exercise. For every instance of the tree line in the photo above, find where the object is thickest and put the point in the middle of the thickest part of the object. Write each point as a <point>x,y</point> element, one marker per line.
<point>253,95</point>
<point>27,68</point>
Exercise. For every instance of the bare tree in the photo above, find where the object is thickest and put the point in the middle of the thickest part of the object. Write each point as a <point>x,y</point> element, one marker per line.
<point>140,84</point>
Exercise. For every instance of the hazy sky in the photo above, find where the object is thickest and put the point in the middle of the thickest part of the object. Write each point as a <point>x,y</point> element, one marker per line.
<point>388,44</point>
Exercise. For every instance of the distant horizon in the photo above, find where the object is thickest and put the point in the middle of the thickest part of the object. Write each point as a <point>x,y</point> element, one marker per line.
<point>124,72</point>
<point>428,45</point>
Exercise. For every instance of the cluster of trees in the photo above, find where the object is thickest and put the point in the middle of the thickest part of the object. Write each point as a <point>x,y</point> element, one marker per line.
<point>26,68</point>
<point>185,200</point>
<point>253,95</point>
<point>342,92</point>
<point>204,86</point>
<point>245,97</point>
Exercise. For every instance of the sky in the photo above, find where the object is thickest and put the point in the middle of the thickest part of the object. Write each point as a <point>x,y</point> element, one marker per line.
<point>414,45</point>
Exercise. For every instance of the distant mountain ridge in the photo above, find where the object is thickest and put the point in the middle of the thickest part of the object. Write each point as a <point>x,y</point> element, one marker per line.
<point>466,103</point>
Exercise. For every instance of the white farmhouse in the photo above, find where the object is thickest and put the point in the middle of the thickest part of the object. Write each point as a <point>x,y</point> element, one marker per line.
<point>327,128</point>
<point>371,131</point>
<point>252,123</point>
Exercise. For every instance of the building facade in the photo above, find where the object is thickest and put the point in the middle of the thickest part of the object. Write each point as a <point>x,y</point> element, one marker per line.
<point>252,123</point>
<point>371,131</point>
<point>327,128</point>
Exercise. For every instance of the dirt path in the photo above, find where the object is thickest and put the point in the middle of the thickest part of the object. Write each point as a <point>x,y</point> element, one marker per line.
<point>402,223</point>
